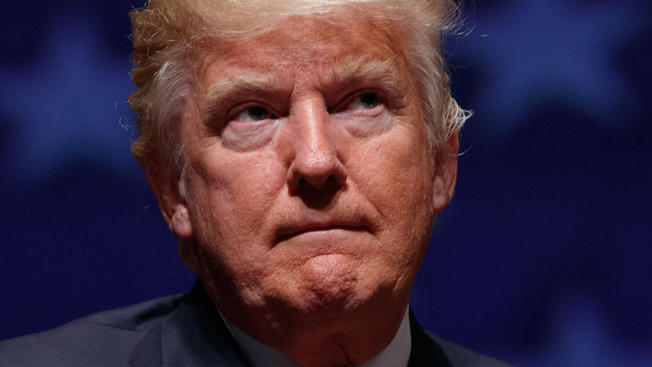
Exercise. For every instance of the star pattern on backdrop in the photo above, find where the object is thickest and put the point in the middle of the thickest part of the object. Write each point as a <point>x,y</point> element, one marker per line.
<point>70,107</point>
<point>580,335</point>
<point>554,50</point>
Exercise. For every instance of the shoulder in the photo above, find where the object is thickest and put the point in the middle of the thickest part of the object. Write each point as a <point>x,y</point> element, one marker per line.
<point>463,357</point>
<point>102,339</point>
<point>429,349</point>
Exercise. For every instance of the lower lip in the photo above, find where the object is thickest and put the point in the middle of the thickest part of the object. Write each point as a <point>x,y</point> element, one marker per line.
<point>322,233</point>
<point>324,241</point>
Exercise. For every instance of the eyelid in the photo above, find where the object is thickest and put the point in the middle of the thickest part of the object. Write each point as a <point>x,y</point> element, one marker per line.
<point>233,112</point>
<point>348,99</point>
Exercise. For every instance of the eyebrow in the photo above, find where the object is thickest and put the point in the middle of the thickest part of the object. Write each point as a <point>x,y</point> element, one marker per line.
<point>349,69</point>
<point>241,85</point>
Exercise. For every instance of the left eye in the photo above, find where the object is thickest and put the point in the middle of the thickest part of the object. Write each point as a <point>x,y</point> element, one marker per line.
<point>365,101</point>
<point>253,113</point>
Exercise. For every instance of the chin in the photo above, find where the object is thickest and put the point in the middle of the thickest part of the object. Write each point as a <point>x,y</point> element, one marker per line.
<point>330,282</point>
<point>334,286</point>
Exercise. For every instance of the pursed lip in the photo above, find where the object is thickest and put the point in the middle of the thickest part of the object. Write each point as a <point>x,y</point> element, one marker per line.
<point>286,232</point>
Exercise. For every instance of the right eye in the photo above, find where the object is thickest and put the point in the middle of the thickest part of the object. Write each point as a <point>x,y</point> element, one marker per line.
<point>252,114</point>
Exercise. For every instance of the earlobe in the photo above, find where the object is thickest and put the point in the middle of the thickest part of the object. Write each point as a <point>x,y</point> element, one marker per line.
<point>445,174</point>
<point>168,190</point>
<point>180,222</point>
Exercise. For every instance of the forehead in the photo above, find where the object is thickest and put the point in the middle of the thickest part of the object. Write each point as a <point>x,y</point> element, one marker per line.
<point>308,44</point>
<point>314,36</point>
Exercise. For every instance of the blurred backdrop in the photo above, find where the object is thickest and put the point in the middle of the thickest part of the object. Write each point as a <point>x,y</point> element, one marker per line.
<point>543,258</point>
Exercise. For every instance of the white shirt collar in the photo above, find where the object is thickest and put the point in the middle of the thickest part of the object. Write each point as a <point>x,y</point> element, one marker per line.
<point>396,354</point>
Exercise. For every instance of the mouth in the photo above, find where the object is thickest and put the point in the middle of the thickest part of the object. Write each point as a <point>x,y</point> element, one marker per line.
<point>288,232</point>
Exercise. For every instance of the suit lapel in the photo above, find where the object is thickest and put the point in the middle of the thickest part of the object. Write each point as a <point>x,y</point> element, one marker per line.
<point>195,335</point>
<point>424,350</point>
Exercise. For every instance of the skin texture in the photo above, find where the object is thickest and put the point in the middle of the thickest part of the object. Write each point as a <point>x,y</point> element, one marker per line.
<point>307,220</point>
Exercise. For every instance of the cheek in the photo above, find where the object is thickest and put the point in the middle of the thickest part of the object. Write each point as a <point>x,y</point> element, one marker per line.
<point>396,173</point>
<point>393,175</point>
<point>230,193</point>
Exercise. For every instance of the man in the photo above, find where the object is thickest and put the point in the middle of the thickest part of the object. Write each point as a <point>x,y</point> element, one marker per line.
<point>300,152</point>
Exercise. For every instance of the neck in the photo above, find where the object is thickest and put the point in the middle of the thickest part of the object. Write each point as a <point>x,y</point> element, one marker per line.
<point>344,346</point>
<point>396,353</point>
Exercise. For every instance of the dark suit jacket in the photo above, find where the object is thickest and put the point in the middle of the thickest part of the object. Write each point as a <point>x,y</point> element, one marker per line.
<point>181,330</point>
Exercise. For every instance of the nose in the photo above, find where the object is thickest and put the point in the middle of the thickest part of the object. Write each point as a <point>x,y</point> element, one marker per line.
<point>316,163</point>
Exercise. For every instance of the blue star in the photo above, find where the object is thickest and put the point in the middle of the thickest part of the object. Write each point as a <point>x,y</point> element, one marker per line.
<point>581,335</point>
<point>549,50</point>
<point>68,108</point>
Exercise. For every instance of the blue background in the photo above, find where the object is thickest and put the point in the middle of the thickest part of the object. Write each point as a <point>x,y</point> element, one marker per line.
<point>543,258</point>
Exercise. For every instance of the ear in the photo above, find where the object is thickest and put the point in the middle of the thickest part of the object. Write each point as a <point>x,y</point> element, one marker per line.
<point>445,174</point>
<point>169,192</point>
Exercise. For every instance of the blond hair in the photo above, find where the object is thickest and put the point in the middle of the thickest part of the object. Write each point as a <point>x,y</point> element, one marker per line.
<point>166,33</point>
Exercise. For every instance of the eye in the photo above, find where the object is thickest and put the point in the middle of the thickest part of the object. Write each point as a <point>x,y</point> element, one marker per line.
<point>252,113</point>
<point>365,101</point>
<point>369,100</point>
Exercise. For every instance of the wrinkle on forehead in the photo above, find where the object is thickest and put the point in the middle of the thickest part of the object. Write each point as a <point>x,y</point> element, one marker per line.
<point>346,69</point>
<point>302,41</point>
<point>341,32</point>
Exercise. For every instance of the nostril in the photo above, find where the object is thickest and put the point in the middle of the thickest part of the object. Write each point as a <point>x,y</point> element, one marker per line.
<point>325,175</point>
<point>316,181</point>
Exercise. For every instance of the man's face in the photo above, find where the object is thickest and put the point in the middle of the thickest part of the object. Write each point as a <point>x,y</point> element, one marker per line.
<point>307,180</point>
